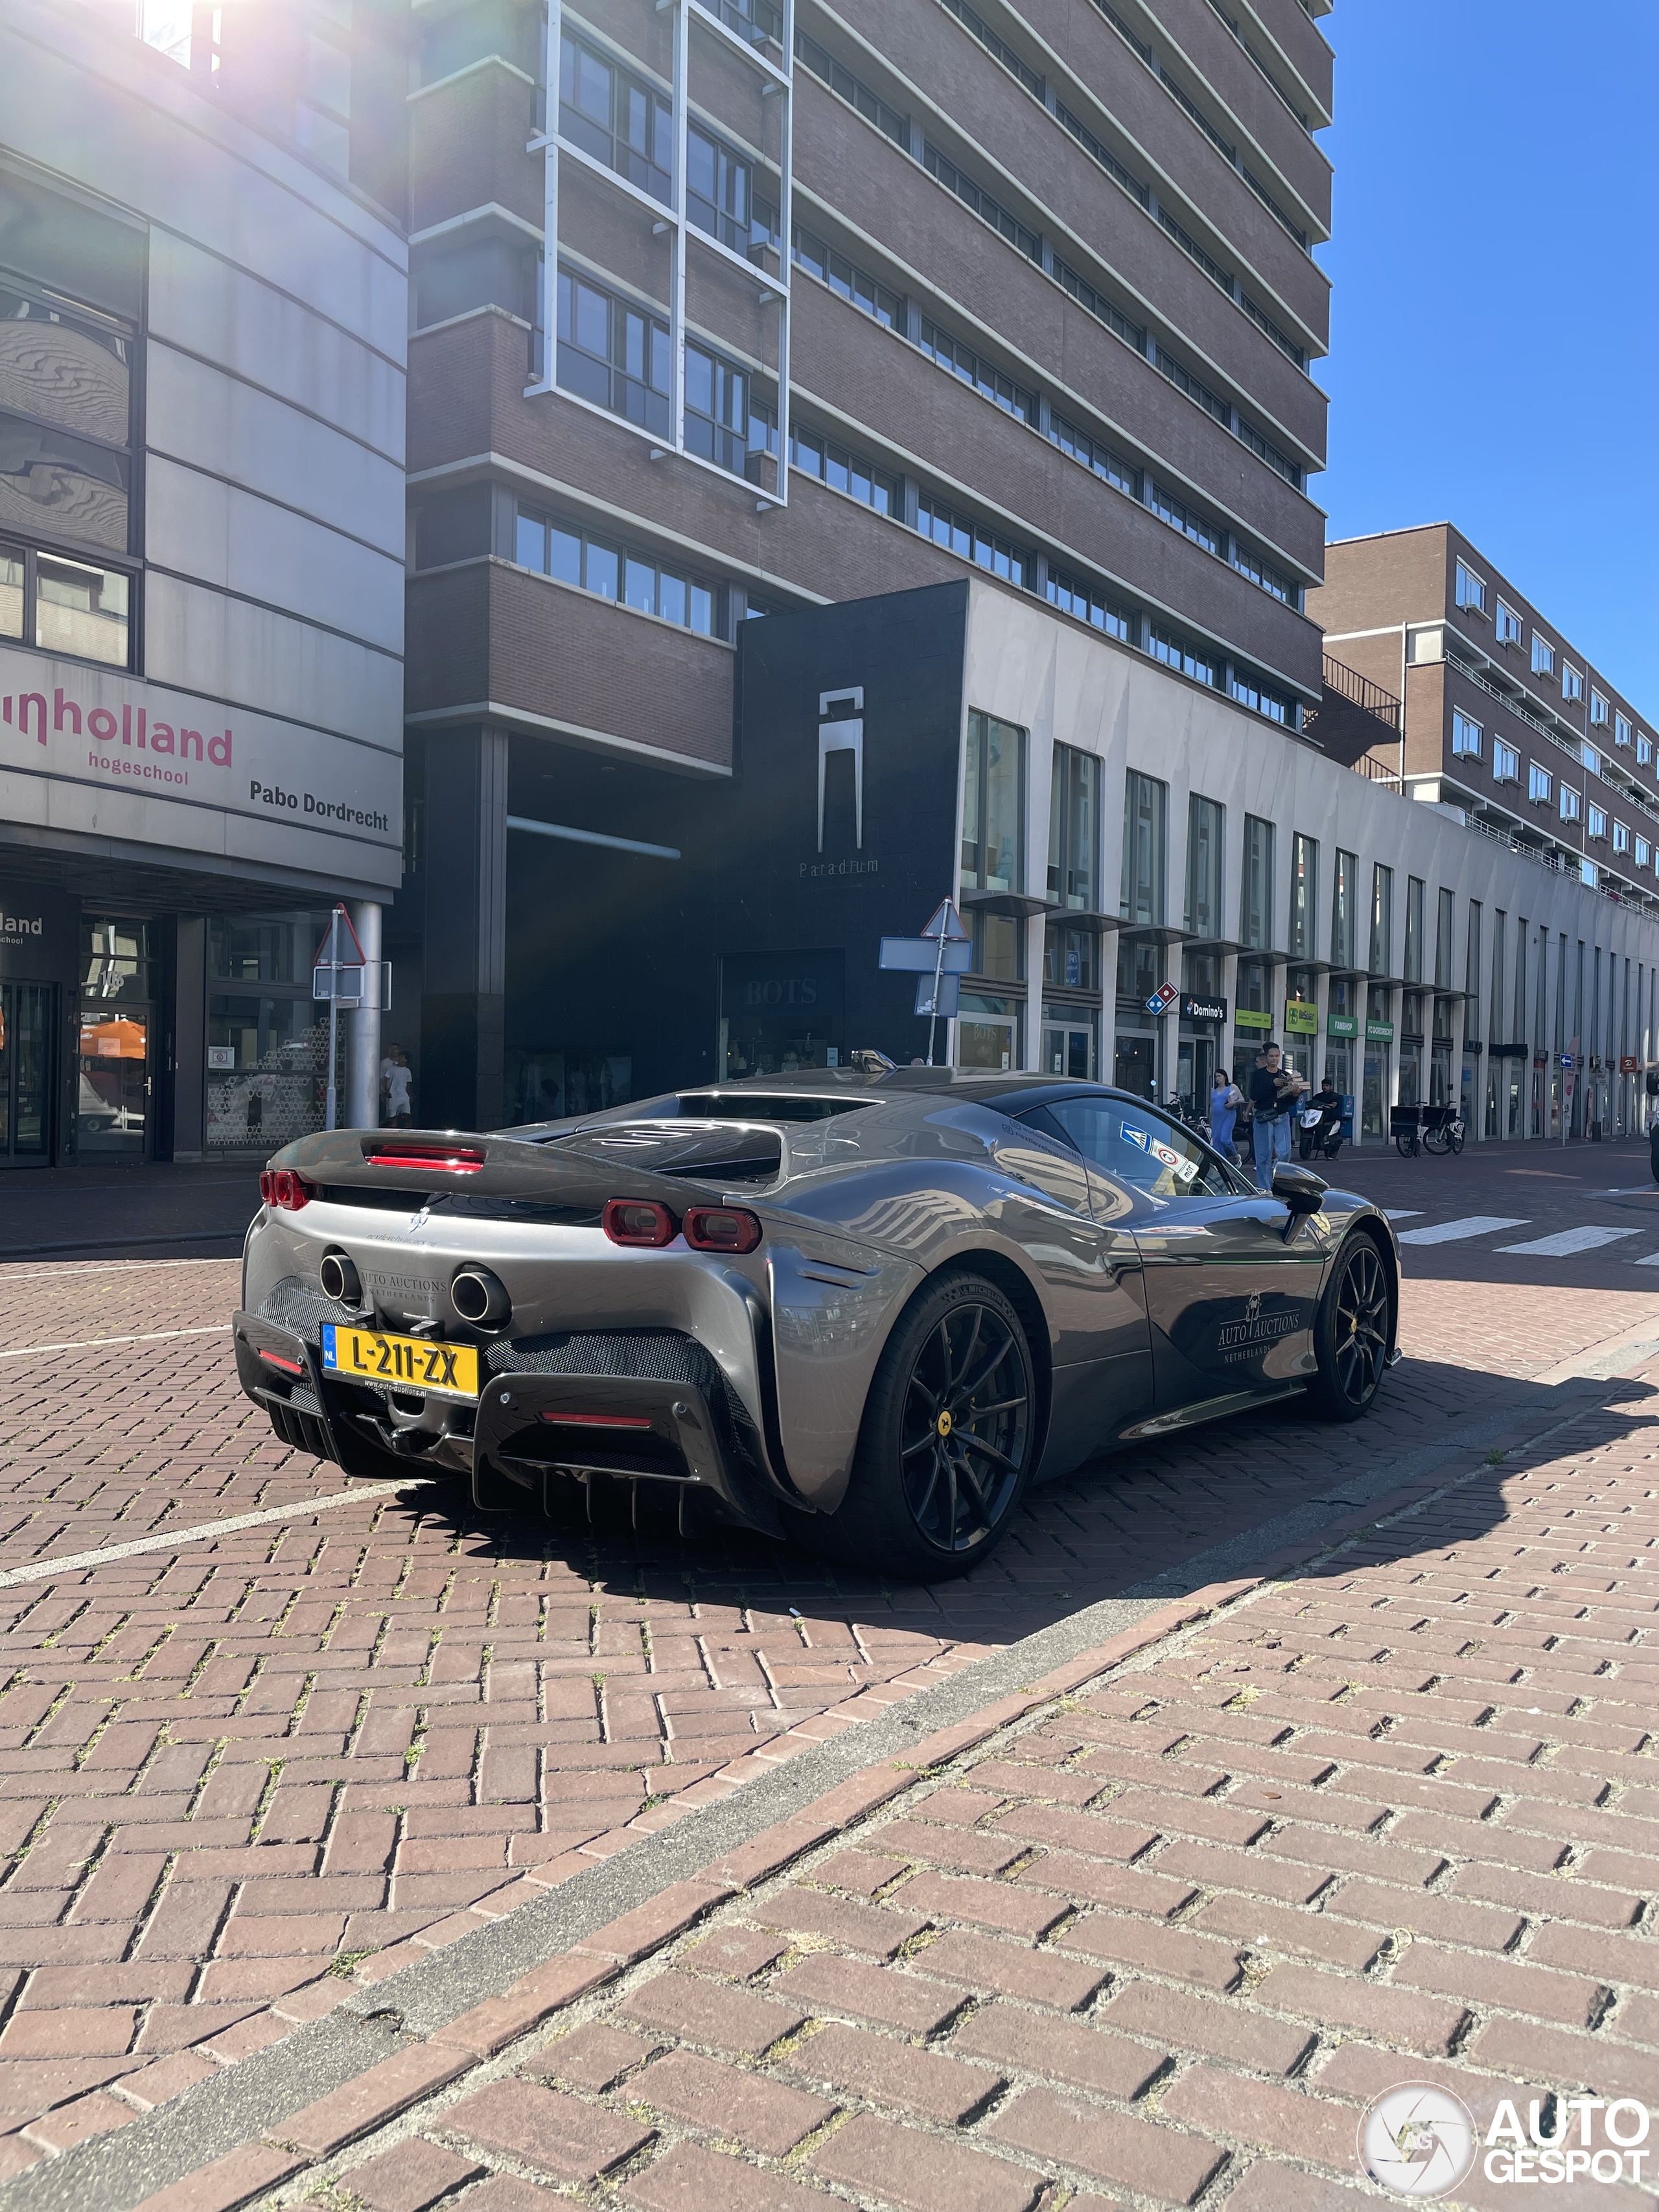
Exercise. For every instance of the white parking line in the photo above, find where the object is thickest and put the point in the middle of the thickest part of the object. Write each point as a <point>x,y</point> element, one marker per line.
<point>1648,1260</point>
<point>41,1570</point>
<point>1471,1224</point>
<point>155,1336</point>
<point>1569,1240</point>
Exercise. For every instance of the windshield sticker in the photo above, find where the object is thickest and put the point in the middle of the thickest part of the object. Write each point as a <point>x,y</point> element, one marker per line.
<point>1131,1135</point>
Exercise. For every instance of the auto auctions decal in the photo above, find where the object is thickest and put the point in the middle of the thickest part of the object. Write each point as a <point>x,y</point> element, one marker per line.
<point>1256,1331</point>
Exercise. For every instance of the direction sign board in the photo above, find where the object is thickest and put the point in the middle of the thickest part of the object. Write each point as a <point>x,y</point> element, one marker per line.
<point>921,954</point>
<point>943,998</point>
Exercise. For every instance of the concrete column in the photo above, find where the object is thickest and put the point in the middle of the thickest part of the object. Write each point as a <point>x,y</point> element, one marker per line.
<point>362,1092</point>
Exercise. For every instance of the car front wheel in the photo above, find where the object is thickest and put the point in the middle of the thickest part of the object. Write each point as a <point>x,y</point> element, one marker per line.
<point>1353,1331</point>
<point>949,1435</point>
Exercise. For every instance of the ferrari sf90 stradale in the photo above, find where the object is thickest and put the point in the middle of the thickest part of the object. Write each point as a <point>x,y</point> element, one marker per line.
<point>864,1309</point>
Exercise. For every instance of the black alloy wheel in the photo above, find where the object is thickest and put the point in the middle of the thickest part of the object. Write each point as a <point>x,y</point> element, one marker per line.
<point>967,1408</point>
<point>949,1436</point>
<point>1353,1331</point>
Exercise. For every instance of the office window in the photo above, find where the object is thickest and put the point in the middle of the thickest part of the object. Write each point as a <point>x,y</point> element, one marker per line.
<point>1175,653</point>
<point>1505,762</point>
<point>1596,820</point>
<point>1004,52</point>
<point>1591,759</point>
<point>720,195</point>
<point>617,118</point>
<point>1181,517</point>
<point>870,105</point>
<point>974,196</point>
<point>725,418</point>
<point>1598,707</point>
<point>1265,450</point>
<point>1260,699</point>
<point>994,805</point>
<point>1103,155</point>
<point>1101,459</point>
<point>67,607</point>
<point>961,535</point>
<point>1414,968</point>
<point>1097,305</point>
<point>961,360</point>
<point>817,454</point>
<point>1265,577</point>
<point>1644,853</point>
<point>1621,836</point>
<point>1075,595</point>
<point>1184,380</point>
<point>1305,896</point>
<point>1256,898</point>
<point>1074,831</point>
<point>1466,736</point>
<point>1622,732</point>
<point>1507,625</point>
<point>1472,974</point>
<point>1543,656</point>
<point>561,549</point>
<point>1643,749</point>
<point>1205,822</point>
<point>1500,925</point>
<point>1540,784</point>
<point>615,355</point>
<point>1572,684</point>
<point>821,260</point>
<point>1342,909</point>
<point>65,430</point>
<point>1146,822</point>
<point>1443,941</point>
<point>1522,939</point>
<point>1571,804</point>
<point>1471,590</point>
<point>1381,945</point>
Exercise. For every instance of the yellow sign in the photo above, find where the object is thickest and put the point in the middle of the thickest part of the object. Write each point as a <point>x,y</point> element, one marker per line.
<point>417,1363</point>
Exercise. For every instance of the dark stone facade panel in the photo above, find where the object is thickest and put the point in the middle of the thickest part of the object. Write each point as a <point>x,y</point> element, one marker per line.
<point>1222,62</point>
<point>1290,27</point>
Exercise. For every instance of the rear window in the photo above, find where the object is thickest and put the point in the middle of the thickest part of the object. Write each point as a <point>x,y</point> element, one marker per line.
<point>720,1152</point>
<point>709,1106</point>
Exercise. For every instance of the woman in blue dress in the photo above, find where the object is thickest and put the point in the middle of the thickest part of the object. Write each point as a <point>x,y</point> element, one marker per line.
<point>1225,1099</point>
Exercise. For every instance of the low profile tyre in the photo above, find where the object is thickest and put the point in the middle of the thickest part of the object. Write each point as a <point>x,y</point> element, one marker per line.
<point>1352,1331</point>
<point>949,1436</point>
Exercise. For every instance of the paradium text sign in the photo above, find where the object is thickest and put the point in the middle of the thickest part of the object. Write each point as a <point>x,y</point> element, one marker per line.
<point>99,753</point>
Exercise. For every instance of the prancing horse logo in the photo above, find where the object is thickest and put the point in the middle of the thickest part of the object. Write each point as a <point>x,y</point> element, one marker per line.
<point>1253,1306</point>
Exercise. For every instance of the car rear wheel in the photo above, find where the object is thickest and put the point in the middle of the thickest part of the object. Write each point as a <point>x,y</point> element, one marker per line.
<point>1353,1331</point>
<point>949,1435</point>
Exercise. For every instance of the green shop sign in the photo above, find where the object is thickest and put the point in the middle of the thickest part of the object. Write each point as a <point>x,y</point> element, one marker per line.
<point>1244,1018</point>
<point>1342,1025</point>
<point>1301,1017</point>
<point>1379,1032</point>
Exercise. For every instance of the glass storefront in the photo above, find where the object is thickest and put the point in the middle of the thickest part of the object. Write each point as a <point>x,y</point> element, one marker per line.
<point>779,1011</point>
<point>113,1090</point>
<point>1069,1034</point>
<point>267,1041</point>
<point>26,1028</point>
<point>987,1033</point>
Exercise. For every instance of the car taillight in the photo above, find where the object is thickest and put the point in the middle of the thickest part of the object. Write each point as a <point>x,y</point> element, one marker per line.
<point>449,1159</point>
<point>638,1221</point>
<point>286,1189</point>
<point>721,1229</point>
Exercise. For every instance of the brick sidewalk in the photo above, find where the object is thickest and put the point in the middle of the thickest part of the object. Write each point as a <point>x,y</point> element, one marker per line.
<point>346,1737</point>
<point>1155,1939</point>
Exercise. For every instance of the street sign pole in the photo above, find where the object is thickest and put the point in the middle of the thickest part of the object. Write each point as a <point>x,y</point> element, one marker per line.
<point>333,1008</point>
<point>938,973</point>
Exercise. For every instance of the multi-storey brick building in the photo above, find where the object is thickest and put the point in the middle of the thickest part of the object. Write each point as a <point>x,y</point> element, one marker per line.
<point>846,300</point>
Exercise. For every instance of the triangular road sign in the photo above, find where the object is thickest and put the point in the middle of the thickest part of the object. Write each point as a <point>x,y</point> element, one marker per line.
<point>947,922</point>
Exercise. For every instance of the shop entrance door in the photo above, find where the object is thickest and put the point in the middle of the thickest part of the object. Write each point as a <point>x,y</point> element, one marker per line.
<point>26,1034</point>
<point>1068,1049</point>
<point>1137,1064</point>
<point>1195,1072</point>
<point>113,1108</point>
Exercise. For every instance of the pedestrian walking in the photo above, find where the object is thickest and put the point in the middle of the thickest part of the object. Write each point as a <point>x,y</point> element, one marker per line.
<point>1273,1091</point>
<point>399,1082</point>
<point>1225,1099</point>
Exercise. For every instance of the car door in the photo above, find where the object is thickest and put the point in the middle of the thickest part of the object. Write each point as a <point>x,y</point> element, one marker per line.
<point>1231,1299</point>
<point>1090,1266</point>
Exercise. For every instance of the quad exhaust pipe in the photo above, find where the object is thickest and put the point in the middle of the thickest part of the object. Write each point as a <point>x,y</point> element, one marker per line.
<point>481,1297</point>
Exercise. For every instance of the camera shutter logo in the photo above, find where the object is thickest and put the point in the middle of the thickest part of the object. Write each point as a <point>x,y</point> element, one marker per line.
<point>1418,2140</point>
<point>840,730</point>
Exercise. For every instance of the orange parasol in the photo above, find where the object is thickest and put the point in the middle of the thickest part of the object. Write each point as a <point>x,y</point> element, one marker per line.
<point>113,1040</point>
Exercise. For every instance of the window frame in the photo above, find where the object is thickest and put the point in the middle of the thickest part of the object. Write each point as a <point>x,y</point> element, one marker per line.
<point>527,514</point>
<point>1505,760</point>
<point>1469,589</point>
<point>1544,654</point>
<point>1541,784</point>
<point>1461,723</point>
<point>1507,625</point>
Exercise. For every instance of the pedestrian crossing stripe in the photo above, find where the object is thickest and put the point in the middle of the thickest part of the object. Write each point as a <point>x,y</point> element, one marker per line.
<point>1566,1241</point>
<point>1471,1224</point>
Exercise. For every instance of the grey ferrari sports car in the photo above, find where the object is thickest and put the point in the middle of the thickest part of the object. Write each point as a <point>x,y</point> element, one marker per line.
<point>867,1310</point>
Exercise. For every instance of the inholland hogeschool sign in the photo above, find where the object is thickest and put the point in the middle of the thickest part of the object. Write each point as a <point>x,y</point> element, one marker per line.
<point>85,750</point>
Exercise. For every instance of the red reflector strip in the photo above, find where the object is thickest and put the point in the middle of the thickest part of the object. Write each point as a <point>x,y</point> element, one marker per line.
<point>467,1163</point>
<point>287,1366</point>
<point>599,1420</point>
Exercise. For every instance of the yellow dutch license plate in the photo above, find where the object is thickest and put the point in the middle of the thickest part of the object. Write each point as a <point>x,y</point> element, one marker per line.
<point>417,1363</point>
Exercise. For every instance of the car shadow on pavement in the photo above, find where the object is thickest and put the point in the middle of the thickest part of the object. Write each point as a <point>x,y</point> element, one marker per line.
<point>1182,1514</point>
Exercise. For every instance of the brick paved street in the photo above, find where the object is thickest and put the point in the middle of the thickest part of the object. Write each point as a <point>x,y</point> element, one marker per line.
<point>332,1742</point>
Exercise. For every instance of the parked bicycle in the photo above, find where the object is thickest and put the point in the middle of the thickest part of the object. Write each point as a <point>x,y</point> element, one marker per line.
<point>1415,1129</point>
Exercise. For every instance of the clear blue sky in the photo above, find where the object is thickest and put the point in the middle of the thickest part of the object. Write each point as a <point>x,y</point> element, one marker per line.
<point>1495,334</point>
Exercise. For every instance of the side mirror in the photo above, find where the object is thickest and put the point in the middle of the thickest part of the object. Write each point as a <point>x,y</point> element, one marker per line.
<point>1300,1189</point>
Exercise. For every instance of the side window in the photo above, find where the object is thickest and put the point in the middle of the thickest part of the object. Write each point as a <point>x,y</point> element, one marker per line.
<point>1048,1163</point>
<point>1135,1146</point>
